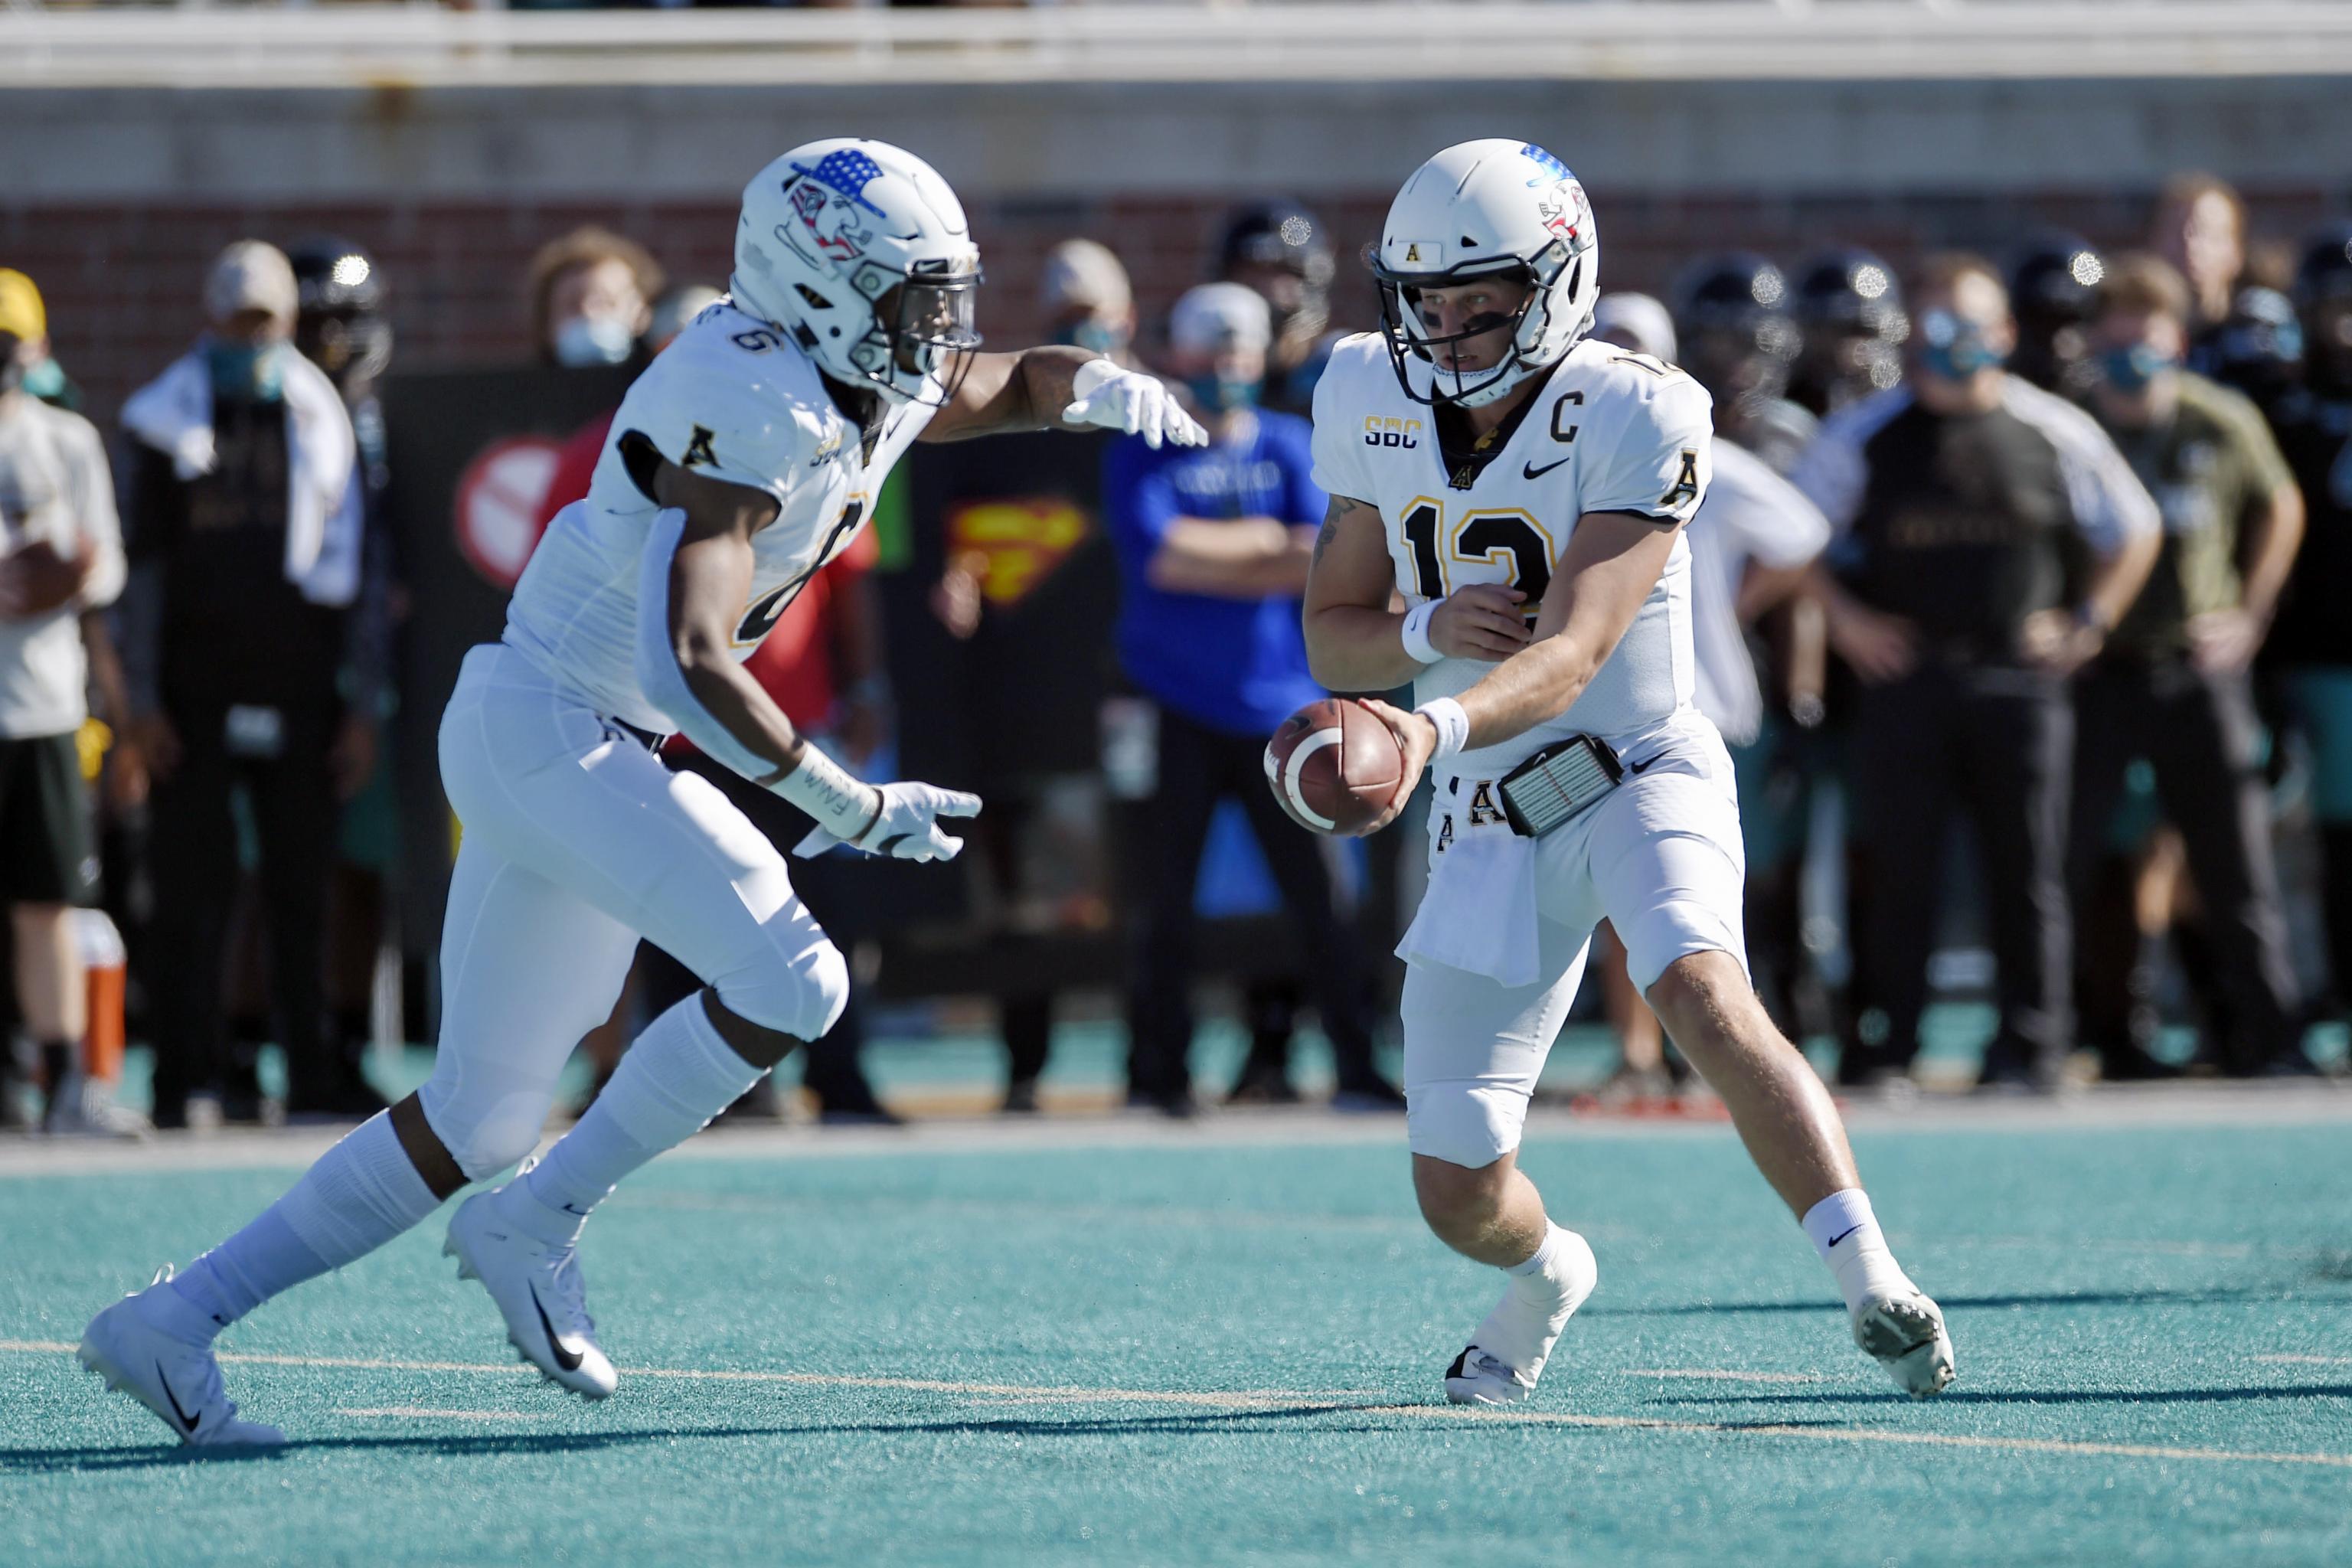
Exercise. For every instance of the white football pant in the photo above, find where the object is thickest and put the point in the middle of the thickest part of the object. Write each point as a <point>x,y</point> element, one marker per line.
<point>577,841</point>
<point>1660,857</point>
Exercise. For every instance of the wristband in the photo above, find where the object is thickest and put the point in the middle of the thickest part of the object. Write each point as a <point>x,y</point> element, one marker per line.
<point>834,801</point>
<point>1417,645</point>
<point>1453,726</point>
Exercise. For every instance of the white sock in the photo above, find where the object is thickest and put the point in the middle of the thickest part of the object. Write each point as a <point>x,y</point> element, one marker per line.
<point>1562,1261</point>
<point>1543,1291</point>
<point>362,1192</point>
<point>1846,1233</point>
<point>679,1075</point>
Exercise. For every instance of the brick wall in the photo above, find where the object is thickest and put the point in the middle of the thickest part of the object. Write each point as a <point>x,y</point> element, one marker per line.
<point>123,281</point>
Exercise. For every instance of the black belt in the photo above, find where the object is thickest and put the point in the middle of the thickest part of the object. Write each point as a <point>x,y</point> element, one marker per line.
<point>645,737</point>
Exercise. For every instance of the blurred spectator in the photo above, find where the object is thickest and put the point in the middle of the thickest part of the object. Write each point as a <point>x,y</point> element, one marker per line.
<point>2053,285</point>
<point>591,294</point>
<point>1088,303</point>
<point>2171,685</point>
<point>2201,229</point>
<point>341,326</point>
<point>1282,251</point>
<point>1739,342</point>
<point>247,525</point>
<point>1849,308</point>
<point>1214,545</point>
<point>60,555</point>
<point>2259,349</point>
<point>44,377</point>
<point>1968,502</point>
<point>2312,644</point>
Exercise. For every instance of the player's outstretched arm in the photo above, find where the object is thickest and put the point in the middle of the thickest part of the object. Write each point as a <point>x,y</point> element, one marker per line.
<point>1055,387</point>
<point>694,585</point>
<point>1613,560</point>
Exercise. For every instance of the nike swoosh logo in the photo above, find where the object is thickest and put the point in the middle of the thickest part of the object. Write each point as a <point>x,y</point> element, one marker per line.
<point>1531,472</point>
<point>1843,1234</point>
<point>568,1358</point>
<point>1643,768</point>
<point>187,1422</point>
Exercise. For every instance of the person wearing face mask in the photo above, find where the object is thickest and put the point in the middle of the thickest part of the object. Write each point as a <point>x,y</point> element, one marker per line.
<point>2171,684</point>
<point>591,294</point>
<point>1988,536</point>
<point>2310,650</point>
<point>1087,300</point>
<point>60,558</point>
<point>1214,545</point>
<point>245,508</point>
<point>1282,251</point>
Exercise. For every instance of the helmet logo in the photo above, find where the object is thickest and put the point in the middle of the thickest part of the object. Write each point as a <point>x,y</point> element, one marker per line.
<point>829,200</point>
<point>1567,213</point>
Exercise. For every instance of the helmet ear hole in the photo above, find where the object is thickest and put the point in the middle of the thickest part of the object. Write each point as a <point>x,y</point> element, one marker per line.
<point>816,302</point>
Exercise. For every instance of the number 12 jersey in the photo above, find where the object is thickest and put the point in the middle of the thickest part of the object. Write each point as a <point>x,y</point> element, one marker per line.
<point>1606,430</point>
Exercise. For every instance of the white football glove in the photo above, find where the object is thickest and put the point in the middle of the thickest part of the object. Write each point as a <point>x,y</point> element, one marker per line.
<point>1102,393</point>
<point>907,828</point>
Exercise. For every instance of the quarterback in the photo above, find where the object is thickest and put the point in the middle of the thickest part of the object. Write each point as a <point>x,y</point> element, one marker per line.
<point>746,457</point>
<point>1524,489</point>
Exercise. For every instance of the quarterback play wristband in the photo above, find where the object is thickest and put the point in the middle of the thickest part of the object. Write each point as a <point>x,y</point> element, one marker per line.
<point>1452,725</point>
<point>1417,645</point>
<point>835,802</point>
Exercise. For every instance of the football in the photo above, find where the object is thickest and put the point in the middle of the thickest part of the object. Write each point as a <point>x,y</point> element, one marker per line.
<point>1333,765</point>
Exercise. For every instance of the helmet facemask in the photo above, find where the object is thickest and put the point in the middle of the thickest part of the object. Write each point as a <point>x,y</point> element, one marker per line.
<point>1530,326</point>
<point>919,338</point>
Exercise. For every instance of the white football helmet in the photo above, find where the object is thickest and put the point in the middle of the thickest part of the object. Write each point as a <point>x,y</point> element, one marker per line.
<point>1475,210</point>
<point>862,253</point>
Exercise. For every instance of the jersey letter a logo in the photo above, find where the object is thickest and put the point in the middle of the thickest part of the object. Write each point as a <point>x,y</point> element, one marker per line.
<point>698,454</point>
<point>1685,485</point>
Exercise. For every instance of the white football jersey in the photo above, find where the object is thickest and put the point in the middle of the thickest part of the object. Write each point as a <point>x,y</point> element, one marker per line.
<point>733,398</point>
<point>1607,430</point>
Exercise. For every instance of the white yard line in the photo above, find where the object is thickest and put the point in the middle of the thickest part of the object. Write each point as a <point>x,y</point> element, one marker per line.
<point>1244,1402</point>
<point>2156,1105</point>
<point>426,1413</point>
<point>1711,1375</point>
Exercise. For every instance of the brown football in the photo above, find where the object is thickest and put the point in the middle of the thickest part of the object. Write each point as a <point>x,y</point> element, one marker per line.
<point>1333,765</point>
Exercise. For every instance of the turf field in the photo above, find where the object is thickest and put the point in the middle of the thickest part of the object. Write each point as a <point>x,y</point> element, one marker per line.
<point>1112,1341</point>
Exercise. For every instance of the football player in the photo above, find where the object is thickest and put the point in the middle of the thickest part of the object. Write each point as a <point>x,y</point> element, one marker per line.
<point>746,457</point>
<point>1524,490</point>
<point>1849,308</point>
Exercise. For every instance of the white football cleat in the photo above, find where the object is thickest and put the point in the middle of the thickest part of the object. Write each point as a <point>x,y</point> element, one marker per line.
<point>1905,1334</point>
<point>538,1292</point>
<point>1502,1362</point>
<point>144,1346</point>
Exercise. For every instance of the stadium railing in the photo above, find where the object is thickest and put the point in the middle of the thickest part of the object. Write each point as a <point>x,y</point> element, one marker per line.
<point>426,46</point>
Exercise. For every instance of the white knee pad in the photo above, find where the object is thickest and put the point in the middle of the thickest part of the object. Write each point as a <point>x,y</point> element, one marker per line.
<point>801,993</point>
<point>1465,1122</point>
<point>486,1126</point>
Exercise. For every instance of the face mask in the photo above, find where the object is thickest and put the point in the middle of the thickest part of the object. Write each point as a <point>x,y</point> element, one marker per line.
<point>45,380</point>
<point>1951,349</point>
<point>256,371</point>
<point>593,340</point>
<point>1094,336</point>
<point>1222,396</point>
<point>2130,370</point>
